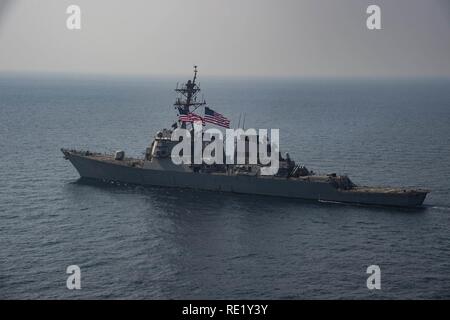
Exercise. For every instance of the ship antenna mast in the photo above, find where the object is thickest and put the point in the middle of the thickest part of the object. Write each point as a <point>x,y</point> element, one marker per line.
<point>187,97</point>
<point>195,74</point>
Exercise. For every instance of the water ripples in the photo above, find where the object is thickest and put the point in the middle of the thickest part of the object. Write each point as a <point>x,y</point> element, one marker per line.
<point>134,242</point>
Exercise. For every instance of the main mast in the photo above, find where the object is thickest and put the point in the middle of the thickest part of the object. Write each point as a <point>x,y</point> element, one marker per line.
<point>187,97</point>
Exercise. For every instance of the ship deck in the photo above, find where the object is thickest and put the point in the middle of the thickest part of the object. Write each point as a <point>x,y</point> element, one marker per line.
<point>109,158</point>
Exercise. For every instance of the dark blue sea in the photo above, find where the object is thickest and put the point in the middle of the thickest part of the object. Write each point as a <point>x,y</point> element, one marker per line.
<point>159,243</point>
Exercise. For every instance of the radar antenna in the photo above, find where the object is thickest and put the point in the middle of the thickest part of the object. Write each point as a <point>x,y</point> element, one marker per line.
<point>187,97</point>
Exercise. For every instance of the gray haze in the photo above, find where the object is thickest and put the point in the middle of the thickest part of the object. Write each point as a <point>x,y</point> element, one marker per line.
<point>228,37</point>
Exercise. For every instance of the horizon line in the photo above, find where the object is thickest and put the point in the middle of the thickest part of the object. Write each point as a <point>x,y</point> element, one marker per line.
<point>212,75</point>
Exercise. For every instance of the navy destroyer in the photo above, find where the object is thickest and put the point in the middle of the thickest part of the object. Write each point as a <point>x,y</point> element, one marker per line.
<point>156,168</point>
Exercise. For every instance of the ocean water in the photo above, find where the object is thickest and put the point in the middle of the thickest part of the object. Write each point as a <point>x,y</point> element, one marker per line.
<point>158,243</point>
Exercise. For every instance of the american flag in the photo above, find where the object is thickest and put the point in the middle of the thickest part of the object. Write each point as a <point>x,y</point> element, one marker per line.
<point>189,117</point>
<point>216,118</point>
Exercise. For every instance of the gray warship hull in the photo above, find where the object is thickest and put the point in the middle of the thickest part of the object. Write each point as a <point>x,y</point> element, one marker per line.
<point>106,169</point>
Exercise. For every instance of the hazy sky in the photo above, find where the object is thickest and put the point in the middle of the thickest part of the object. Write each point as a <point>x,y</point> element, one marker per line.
<point>227,37</point>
